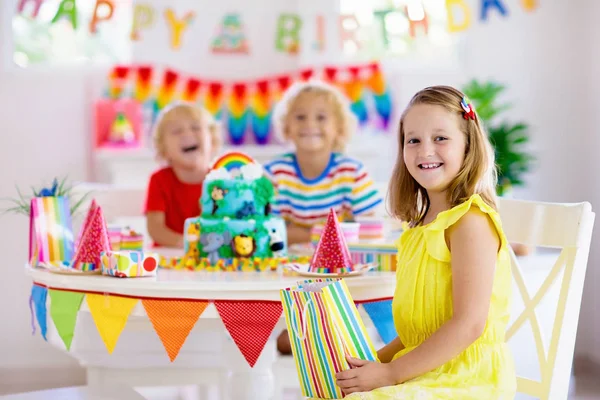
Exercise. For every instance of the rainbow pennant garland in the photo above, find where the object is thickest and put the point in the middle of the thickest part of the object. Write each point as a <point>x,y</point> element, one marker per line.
<point>246,107</point>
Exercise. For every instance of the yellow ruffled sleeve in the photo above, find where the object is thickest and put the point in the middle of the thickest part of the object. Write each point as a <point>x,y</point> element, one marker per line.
<point>434,233</point>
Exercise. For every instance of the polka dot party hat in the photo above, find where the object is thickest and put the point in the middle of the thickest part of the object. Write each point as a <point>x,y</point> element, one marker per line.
<point>94,241</point>
<point>332,255</point>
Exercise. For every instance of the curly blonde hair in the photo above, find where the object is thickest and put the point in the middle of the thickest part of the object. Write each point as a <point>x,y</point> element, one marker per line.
<point>408,200</point>
<point>347,121</point>
<point>179,110</point>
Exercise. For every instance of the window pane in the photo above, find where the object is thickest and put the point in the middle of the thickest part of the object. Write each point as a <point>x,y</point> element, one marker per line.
<point>37,41</point>
<point>409,29</point>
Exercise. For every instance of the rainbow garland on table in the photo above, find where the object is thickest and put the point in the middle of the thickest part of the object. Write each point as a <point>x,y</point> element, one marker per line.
<point>246,107</point>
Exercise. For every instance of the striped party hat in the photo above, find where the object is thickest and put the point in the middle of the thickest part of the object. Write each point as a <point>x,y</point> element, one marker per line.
<point>332,255</point>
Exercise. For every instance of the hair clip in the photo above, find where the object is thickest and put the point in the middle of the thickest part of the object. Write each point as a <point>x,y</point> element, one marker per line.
<point>469,110</point>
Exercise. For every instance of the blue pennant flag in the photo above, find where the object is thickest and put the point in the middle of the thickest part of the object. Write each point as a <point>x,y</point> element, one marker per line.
<point>39,295</point>
<point>380,313</point>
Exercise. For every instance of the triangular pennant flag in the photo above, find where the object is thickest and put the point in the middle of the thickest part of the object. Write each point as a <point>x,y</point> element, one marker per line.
<point>332,254</point>
<point>250,323</point>
<point>173,320</point>
<point>110,314</point>
<point>93,242</point>
<point>87,220</point>
<point>380,313</point>
<point>39,295</point>
<point>64,307</point>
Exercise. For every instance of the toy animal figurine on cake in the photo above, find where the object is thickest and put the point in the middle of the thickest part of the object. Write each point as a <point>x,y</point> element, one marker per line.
<point>236,229</point>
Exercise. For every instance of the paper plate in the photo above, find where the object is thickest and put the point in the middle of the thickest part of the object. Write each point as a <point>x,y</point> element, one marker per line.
<point>302,270</point>
<point>63,269</point>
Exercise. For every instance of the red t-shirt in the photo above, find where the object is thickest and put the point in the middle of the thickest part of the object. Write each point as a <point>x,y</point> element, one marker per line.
<point>178,200</point>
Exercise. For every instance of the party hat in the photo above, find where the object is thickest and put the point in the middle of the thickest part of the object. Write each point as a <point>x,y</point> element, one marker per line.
<point>87,220</point>
<point>93,242</point>
<point>332,254</point>
<point>121,130</point>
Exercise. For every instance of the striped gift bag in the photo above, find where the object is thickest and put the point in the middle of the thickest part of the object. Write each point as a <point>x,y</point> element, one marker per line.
<point>324,325</point>
<point>50,231</point>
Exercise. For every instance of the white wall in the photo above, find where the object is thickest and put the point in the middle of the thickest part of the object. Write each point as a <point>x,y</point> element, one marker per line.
<point>46,120</point>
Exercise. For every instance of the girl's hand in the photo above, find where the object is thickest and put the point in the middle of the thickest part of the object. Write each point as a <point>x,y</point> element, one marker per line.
<point>364,376</point>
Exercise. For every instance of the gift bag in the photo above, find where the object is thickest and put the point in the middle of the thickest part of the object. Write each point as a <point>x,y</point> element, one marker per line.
<point>324,325</point>
<point>50,231</point>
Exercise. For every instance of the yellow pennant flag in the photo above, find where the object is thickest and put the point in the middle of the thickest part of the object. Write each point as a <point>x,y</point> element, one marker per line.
<point>110,314</point>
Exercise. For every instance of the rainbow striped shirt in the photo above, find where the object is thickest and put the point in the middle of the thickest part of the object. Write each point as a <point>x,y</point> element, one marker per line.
<point>345,185</point>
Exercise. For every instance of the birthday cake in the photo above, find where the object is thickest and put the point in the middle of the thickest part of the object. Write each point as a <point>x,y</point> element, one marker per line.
<point>236,229</point>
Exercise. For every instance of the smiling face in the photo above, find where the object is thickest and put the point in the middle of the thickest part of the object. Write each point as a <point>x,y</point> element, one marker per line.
<point>186,140</point>
<point>434,146</point>
<point>312,123</point>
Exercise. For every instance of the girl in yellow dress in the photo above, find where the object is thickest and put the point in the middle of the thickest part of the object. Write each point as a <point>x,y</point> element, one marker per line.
<point>453,276</point>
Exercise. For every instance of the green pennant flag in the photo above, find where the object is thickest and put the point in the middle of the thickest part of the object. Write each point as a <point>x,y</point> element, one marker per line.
<point>63,310</point>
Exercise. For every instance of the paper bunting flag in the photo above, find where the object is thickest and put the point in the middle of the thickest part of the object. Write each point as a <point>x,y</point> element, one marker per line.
<point>331,254</point>
<point>213,99</point>
<point>237,117</point>
<point>166,92</point>
<point>173,320</point>
<point>383,102</point>
<point>93,242</point>
<point>64,307</point>
<point>250,323</point>
<point>380,313</point>
<point>38,296</point>
<point>143,84</point>
<point>110,314</point>
<point>118,79</point>
<point>260,112</point>
<point>192,90</point>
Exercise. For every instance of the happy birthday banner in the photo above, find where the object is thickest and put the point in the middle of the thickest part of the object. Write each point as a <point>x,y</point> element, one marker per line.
<point>250,323</point>
<point>230,37</point>
<point>245,107</point>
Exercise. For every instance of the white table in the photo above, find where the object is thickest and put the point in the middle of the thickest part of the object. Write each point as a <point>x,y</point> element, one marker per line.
<point>139,357</point>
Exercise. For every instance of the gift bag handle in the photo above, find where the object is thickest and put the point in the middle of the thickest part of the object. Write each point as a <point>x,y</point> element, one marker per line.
<point>303,314</point>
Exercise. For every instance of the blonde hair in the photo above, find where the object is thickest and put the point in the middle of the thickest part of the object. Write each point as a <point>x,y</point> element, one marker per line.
<point>347,120</point>
<point>184,110</point>
<point>408,200</point>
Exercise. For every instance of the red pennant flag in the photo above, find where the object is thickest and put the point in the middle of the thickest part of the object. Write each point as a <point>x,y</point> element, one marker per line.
<point>284,82</point>
<point>332,254</point>
<point>354,71</point>
<point>192,87</point>
<point>120,72</point>
<point>307,74</point>
<point>330,73</point>
<point>215,88</point>
<point>144,74</point>
<point>262,87</point>
<point>169,79</point>
<point>250,323</point>
<point>239,91</point>
<point>374,67</point>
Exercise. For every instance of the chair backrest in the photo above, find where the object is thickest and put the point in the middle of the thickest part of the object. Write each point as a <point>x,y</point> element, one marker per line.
<point>566,228</point>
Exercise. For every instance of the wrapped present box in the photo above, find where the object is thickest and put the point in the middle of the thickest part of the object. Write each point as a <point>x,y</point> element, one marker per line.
<point>129,264</point>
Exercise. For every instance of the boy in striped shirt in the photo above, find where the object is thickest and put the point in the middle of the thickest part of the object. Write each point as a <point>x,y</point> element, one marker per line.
<point>318,120</point>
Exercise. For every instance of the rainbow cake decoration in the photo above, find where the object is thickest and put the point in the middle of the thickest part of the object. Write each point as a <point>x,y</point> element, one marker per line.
<point>236,229</point>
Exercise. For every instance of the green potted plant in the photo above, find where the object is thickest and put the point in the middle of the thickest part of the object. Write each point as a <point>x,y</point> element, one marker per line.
<point>508,138</point>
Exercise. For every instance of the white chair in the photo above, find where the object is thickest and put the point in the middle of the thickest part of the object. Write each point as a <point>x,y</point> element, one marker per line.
<point>568,229</point>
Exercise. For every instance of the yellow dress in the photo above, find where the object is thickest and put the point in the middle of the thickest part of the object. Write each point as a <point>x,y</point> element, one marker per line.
<point>423,302</point>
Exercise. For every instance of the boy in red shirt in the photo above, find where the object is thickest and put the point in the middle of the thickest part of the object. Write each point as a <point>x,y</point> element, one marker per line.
<point>186,137</point>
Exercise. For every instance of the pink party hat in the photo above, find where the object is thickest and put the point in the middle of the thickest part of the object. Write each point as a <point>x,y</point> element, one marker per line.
<point>93,242</point>
<point>87,220</point>
<point>332,254</point>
